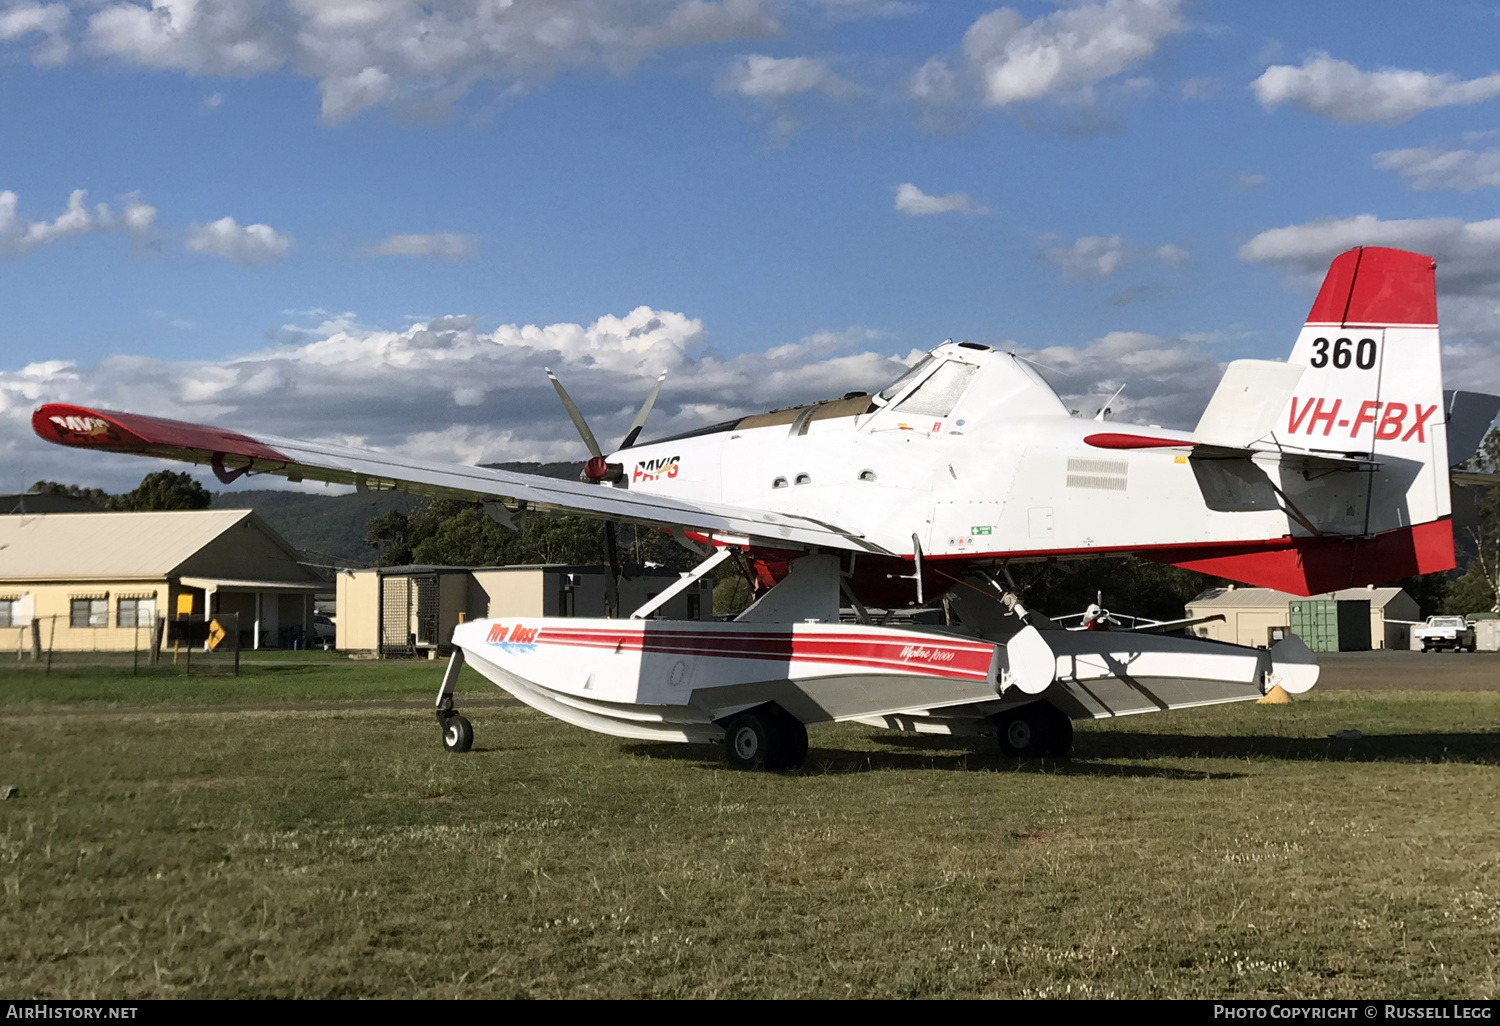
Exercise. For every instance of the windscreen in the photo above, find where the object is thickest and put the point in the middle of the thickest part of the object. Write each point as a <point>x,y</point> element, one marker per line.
<point>937,396</point>
<point>896,386</point>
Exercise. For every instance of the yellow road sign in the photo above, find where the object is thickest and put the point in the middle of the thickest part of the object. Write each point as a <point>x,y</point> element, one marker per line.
<point>215,634</point>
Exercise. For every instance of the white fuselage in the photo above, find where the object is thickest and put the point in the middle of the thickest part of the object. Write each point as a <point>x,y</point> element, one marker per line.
<point>992,464</point>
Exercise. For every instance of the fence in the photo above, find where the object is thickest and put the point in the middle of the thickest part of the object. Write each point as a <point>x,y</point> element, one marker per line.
<point>185,645</point>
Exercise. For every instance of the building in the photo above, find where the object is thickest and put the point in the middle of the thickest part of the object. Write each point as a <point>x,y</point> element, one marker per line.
<point>96,581</point>
<point>46,502</point>
<point>412,609</point>
<point>1259,616</point>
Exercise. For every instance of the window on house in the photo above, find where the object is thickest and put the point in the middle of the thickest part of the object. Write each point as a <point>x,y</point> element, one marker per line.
<point>89,612</point>
<point>9,612</point>
<point>136,612</point>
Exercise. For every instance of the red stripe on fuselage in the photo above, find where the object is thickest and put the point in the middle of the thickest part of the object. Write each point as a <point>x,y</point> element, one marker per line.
<point>971,661</point>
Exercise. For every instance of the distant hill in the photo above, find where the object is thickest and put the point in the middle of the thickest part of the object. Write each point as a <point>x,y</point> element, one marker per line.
<point>332,527</point>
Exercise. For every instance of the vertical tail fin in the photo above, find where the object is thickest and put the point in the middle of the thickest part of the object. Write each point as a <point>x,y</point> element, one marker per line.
<point>1371,386</point>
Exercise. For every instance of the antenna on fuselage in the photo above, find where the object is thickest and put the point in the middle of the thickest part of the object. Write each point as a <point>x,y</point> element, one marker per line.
<point>1105,408</point>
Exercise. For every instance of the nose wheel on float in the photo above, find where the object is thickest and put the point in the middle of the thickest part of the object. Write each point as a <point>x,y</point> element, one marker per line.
<point>458,732</point>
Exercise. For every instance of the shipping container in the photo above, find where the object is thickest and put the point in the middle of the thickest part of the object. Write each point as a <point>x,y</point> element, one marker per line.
<point>1327,625</point>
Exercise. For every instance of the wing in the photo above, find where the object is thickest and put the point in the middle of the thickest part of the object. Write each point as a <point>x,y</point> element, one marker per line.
<point>232,454</point>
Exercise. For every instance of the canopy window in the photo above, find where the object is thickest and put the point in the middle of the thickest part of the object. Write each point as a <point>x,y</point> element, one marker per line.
<point>937,396</point>
<point>895,387</point>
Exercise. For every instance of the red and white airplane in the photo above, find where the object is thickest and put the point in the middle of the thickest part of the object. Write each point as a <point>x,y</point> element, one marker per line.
<point>1327,471</point>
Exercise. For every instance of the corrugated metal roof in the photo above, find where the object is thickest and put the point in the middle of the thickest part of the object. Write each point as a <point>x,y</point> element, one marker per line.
<point>1266,597</point>
<point>107,546</point>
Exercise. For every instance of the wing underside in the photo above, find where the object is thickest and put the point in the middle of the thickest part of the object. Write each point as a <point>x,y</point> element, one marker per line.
<point>232,454</point>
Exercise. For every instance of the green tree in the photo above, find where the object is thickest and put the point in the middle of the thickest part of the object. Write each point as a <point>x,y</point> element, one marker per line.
<point>1127,584</point>
<point>451,532</point>
<point>1479,587</point>
<point>98,496</point>
<point>1431,592</point>
<point>164,490</point>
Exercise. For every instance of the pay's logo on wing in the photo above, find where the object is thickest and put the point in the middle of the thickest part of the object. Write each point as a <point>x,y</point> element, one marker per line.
<point>82,429</point>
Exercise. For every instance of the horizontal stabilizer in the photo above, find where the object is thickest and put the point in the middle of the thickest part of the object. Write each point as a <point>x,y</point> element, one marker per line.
<point>1247,403</point>
<point>1470,415</point>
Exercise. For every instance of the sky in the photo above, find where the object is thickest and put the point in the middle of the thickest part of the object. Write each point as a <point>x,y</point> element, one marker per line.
<point>376,222</point>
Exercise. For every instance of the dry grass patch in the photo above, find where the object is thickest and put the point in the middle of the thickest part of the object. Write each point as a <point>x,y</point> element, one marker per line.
<point>1222,852</point>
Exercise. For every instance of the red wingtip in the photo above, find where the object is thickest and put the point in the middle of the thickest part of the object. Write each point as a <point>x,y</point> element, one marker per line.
<point>65,424</point>
<point>82,427</point>
<point>1376,285</point>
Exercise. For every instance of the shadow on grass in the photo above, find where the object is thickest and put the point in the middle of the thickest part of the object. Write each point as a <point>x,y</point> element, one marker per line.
<point>1476,748</point>
<point>837,762</point>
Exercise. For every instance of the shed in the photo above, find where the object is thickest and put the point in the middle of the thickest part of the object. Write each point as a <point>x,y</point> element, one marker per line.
<point>1260,616</point>
<point>412,609</point>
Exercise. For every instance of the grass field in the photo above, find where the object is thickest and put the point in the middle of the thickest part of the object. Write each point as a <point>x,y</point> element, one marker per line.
<point>211,839</point>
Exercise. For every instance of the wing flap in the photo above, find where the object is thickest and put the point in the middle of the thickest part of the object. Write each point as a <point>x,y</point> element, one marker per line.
<point>232,454</point>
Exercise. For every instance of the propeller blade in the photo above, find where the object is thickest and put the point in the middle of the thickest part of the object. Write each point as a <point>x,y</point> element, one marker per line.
<point>578,421</point>
<point>640,418</point>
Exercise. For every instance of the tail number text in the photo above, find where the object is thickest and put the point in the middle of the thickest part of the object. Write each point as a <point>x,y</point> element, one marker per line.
<point>1392,421</point>
<point>1342,352</point>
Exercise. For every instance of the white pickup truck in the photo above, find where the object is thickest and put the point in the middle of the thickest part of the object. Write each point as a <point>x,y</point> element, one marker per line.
<point>1440,632</point>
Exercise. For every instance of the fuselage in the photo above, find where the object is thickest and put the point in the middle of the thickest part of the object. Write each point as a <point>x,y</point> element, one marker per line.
<point>975,455</point>
<point>972,456</point>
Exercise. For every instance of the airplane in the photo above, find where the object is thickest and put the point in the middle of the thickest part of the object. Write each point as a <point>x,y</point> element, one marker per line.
<point>1326,471</point>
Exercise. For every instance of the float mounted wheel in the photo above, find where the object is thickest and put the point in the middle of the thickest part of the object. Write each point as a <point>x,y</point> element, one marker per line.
<point>458,733</point>
<point>765,738</point>
<point>1025,732</point>
<point>747,740</point>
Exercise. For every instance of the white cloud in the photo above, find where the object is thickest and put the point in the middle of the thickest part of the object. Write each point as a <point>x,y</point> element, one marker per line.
<point>1005,59</point>
<point>243,244</point>
<point>19,235</point>
<point>215,37</point>
<point>1250,180</point>
<point>443,245</point>
<point>1201,88</point>
<point>1093,256</point>
<point>1428,168</point>
<point>446,389</point>
<point>20,20</point>
<point>365,53</point>
<point>1467,252</point>
<point>1099,256</point>
<point>1468,276</point>
<point>770,78</point>
<point>912,200</point>
<point>1340,91</point>
<point>442,389</point>
<point>1167,381</point>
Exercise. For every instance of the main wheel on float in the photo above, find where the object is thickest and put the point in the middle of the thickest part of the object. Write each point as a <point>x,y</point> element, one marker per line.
<point>1034,730</point>
<point>765,738</point>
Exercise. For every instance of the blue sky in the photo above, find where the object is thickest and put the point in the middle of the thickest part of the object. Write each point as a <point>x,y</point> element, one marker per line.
<point>376,221</point>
